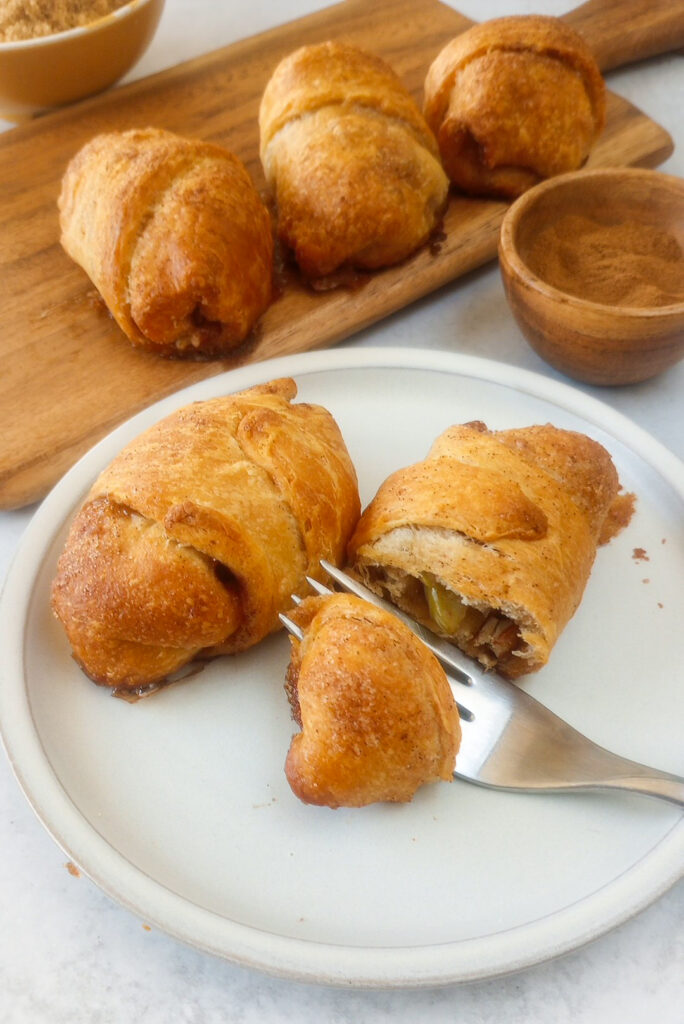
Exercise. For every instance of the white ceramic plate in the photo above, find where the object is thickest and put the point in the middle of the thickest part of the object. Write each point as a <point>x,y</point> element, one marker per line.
<point>178,807</point>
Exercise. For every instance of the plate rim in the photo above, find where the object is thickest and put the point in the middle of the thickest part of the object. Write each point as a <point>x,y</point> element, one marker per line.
<point>299,959</point>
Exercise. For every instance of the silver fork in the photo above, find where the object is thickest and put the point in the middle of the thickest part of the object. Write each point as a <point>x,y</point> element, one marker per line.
<point>510,740</point>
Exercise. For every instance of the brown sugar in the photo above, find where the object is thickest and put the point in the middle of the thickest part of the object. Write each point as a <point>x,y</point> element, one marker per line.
<point>625,264</point>
<point>28,19</point>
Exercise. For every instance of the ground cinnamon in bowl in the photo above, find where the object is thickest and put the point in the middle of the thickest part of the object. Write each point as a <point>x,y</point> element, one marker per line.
<point>592,265</point>
<point>628,263</point>
<point>29,19</point>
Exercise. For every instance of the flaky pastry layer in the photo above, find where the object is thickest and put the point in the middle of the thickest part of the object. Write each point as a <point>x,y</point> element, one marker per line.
<point>353,167</point>
<point>512,101</point>
<point>377,715</point>
<point>193,539</point>
<point>491,539</point>
<point>174,236</point>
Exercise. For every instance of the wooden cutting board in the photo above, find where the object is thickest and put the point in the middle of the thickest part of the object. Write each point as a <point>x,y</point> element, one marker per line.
<point>69,375</point>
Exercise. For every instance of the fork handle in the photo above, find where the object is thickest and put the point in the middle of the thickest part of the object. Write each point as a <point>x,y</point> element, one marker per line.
<point>662,785</point>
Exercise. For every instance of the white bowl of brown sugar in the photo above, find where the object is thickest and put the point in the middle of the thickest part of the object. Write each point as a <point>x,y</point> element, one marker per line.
<point>53,52</point>
<point>593,268</point>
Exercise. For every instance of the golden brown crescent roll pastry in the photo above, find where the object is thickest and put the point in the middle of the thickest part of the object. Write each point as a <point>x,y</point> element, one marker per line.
<point>490,541</point>
<point>352,165</point>
<point>195,536</point>
<point>174,236</point>
<point>512,101</point>
<point>376,711</point>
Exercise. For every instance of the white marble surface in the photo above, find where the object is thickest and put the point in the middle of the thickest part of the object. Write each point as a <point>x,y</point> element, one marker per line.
<point>68,954</point>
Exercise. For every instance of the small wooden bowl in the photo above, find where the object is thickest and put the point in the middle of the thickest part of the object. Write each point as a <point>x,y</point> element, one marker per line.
<point>599,342</point>
<point>50,71</point>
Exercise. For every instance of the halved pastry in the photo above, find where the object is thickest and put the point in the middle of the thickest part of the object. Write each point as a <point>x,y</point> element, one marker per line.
<point>377,715</point>
<point>195,536</point>
<point>353,167</point>
<point>175,237</point>
<point>490,541</point>
<point>512,101</point>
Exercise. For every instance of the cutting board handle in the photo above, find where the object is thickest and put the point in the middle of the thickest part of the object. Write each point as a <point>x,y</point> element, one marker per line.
<point>622,31</point>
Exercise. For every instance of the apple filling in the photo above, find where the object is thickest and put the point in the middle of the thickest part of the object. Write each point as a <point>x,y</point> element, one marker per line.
<point>486,634</point>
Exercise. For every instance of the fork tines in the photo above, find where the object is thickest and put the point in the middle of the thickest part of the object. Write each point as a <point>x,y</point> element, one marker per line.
<point>319,587</point>
<point>291,626</point>
<point>449,659</point>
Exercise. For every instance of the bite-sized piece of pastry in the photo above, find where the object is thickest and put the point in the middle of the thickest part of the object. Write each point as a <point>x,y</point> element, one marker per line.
<point>513,101</point>
<point>490,541</point>
<point>353,167</point>
<point>377,715</point>
<point>174,236</point>
<point>195,536</point>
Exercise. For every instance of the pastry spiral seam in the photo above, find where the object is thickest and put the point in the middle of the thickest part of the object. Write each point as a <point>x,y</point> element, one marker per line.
<point>554,53</point>
<point>175,174</point>
<point>359,107</point>
<point>277,488</point>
